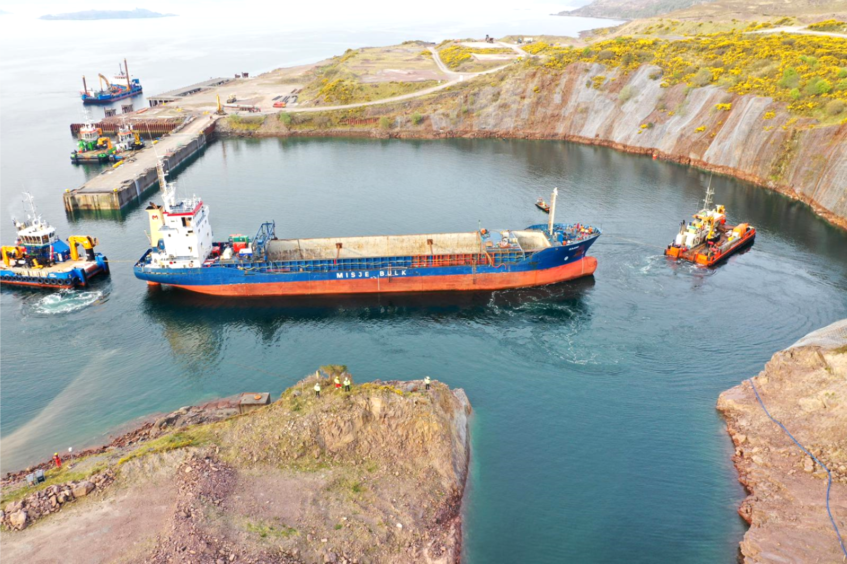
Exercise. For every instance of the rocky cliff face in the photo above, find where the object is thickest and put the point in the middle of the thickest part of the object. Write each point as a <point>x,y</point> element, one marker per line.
<point>805,388</point>
<point>749,137</point>
<point>755,139</point>
<point>376,474</point>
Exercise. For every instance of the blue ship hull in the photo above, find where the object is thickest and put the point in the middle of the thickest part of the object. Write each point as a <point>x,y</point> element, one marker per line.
<point>418,273</point>
<point>108,98</point>
<point>57,277</point>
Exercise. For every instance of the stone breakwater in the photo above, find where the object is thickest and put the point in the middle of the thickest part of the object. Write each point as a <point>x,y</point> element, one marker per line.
<point>755,139</point>
<point>805,388</point>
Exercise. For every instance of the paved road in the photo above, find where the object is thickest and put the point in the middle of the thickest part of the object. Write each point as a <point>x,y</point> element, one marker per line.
<point>798,29</point>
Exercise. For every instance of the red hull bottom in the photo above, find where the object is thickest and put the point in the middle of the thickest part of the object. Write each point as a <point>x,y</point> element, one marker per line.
<point>479,282</point>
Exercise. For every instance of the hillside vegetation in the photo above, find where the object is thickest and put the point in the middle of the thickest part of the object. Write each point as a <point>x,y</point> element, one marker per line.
<point>808,72</point>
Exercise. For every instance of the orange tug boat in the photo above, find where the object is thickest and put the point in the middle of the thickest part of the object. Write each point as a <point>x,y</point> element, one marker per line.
<point>707,239</point>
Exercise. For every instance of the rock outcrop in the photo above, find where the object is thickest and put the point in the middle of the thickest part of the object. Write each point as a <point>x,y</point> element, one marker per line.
<point>805,388</point>
<point>376,474</point>
<point>18,515</point>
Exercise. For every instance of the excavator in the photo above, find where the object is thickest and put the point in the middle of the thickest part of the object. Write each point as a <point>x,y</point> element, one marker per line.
<point>88,244</point>
<point>108,84</point>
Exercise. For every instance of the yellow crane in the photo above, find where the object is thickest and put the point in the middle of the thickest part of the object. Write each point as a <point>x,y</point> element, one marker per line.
<point>15,252</point>
<point>88,243</point>
<point>106,80</point>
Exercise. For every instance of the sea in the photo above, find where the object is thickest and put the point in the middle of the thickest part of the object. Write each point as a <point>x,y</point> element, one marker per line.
<point>595,436</point>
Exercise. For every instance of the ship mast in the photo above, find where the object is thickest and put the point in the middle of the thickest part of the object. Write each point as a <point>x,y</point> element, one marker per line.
<point>707,201</point>
<point>168,190</point>
<point>552,211</point>
<point>126,69</point>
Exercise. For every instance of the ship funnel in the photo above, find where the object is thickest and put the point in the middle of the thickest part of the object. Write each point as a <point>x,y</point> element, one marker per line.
<point>156,217</point>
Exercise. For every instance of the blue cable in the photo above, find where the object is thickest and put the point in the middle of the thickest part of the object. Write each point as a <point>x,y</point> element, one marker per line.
<point>821,464</point>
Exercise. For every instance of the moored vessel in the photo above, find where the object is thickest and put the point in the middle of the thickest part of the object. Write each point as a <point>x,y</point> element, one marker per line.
<point>708,239</point>
<point>185,255</point>
<point>40,259</point>
<point>121,86</point>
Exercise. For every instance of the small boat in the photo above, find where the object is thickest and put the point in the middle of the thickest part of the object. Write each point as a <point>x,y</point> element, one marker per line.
<point>542,205</point>
<point>40,259</point>
<point>708,239</point>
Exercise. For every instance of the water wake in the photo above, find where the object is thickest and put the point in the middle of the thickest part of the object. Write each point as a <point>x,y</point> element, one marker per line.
<point>66,301</point>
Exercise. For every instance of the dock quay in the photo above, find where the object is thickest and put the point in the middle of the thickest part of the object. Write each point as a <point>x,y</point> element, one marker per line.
<point>180,93</point>
<point>115,188</point>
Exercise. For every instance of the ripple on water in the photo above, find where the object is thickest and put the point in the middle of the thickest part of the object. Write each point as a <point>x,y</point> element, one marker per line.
<point>66,301</point>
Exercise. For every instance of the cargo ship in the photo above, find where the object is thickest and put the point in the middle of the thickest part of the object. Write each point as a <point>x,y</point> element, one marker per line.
<point>40,259</point>
<point>121,86</point>
<point>708,239</point>
<point>184,255</point>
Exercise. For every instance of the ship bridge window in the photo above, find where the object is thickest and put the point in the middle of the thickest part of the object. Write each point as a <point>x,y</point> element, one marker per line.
<point>186,222</point>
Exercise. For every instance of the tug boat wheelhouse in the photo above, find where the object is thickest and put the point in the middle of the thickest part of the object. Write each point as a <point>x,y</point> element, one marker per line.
<point>185,255</point>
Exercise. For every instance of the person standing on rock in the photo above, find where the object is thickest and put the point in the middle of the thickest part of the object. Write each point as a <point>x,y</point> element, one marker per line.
<point>57,460</point>
<point>317,389</point>
<point>337,382</point>
<point>347,383</point>
<point>426,382</point>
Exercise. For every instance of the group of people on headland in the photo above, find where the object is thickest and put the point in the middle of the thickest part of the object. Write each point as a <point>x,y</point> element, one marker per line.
<point>347,384</point>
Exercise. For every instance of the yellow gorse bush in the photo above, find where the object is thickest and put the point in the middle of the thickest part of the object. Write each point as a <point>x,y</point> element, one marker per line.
<point>807,71</point>
<point>455,55</point>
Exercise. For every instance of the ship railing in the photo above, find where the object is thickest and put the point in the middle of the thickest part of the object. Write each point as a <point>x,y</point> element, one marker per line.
<point>495,257</point>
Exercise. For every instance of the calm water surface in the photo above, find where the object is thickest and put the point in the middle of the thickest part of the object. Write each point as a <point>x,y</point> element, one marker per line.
<point>595,437</point>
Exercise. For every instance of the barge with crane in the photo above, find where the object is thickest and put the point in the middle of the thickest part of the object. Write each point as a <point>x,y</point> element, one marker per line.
<point>184,254</point>
<point>707,239</point>
<point>121,86</point>
<point>40,259</point>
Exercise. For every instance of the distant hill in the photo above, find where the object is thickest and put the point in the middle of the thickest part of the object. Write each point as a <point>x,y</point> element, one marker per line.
<point>138,13</point>
<point>631,9</point>
<point>709,9</point>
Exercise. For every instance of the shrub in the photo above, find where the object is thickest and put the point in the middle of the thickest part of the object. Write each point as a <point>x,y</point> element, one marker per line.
<point>790,78</point>
<point>795,93</point>
<point>384,123</point>
<point>605,55</point>
<point>769,115</point>
<point>835,107</point>
<point>723,107</point>
<point>626,94</point>
<point>416,118</point>
<point>700,129</point>
<point>817,86</point>
<point>285,118</point>
<point>703,77</point>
